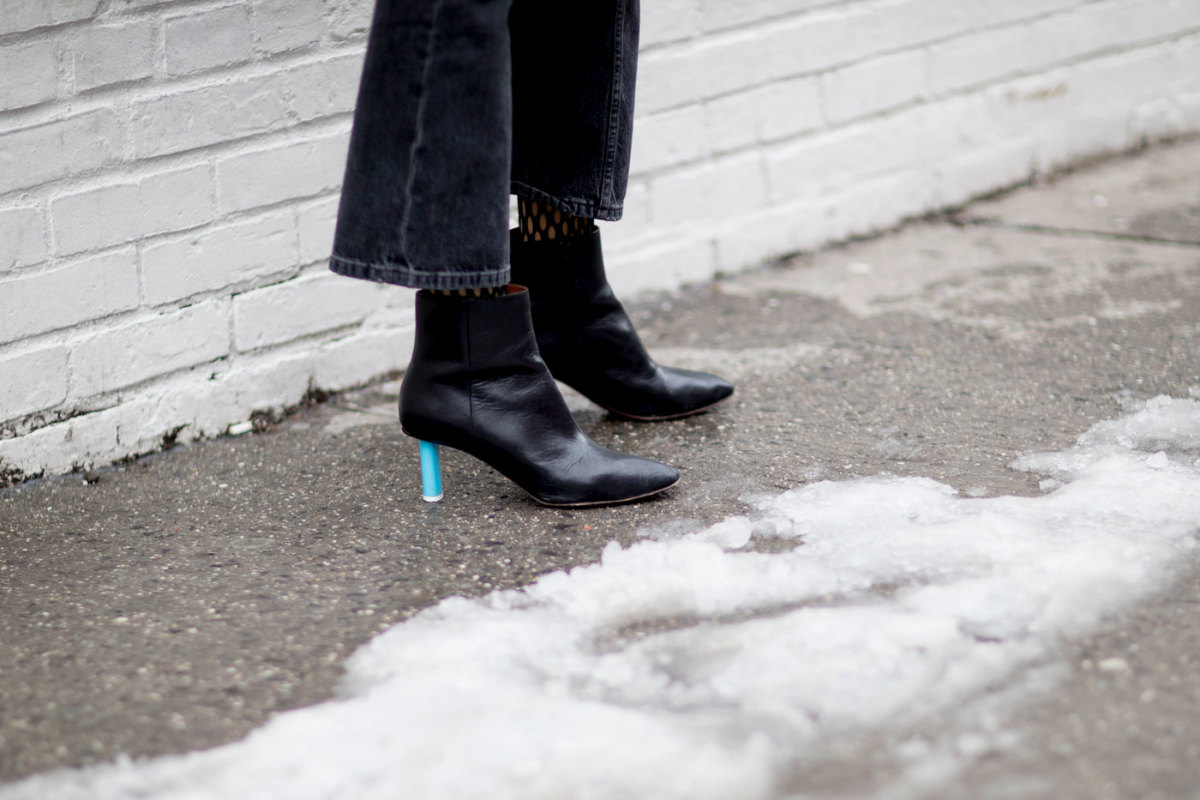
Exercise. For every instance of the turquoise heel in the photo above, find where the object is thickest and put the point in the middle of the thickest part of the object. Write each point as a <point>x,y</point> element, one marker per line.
<point>431,472</point>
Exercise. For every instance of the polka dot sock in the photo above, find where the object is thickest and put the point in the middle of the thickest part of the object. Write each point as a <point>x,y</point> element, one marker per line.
<point>541,223</point>
<point>485,291</point>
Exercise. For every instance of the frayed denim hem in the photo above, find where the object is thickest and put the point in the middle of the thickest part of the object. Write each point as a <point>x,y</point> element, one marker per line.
<point>404,275</point>
<point>588,209</point>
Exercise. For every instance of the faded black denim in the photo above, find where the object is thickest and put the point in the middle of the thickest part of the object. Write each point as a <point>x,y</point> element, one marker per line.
<point>465,101</point>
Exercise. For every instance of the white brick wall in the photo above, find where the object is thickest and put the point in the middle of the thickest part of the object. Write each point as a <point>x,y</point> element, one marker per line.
<point>169,175</point>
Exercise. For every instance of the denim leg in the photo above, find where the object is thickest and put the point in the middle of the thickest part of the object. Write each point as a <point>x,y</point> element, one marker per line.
<point>425,198</point>
<point>573,81</point>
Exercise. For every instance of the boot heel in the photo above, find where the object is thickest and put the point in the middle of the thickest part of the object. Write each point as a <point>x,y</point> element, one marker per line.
<point>431,473</point>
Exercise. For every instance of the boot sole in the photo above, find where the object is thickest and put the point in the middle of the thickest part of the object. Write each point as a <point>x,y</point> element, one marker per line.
<point>681,415</point>
<point>548,503</point>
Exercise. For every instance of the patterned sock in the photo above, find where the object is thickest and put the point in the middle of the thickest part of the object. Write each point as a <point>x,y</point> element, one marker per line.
<point>485,291</point>
<point>540,222</point>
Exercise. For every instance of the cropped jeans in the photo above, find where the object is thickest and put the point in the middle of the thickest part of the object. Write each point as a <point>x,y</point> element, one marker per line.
<point>463,102</point>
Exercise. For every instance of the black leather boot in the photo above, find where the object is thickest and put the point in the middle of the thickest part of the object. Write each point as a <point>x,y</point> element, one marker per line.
<point>476,383</point>
<point>588,341</point>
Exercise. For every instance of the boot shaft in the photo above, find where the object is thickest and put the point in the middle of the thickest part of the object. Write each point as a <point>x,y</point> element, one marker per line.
<point>472,334</point>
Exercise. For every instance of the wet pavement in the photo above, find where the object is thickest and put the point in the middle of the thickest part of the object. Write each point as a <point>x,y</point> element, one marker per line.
<point>177,601</point>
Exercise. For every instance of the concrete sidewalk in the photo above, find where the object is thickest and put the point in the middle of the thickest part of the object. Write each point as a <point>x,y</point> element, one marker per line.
<point>176,602</point>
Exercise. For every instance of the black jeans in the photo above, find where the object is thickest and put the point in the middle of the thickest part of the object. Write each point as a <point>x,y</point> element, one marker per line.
<point>465,101</point>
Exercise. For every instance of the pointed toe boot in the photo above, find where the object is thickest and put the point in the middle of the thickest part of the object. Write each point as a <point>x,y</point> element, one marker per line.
<point>588,341</point>
<point>476,383</point>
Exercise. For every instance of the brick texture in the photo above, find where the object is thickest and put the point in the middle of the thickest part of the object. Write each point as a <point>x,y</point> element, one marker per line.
<point>20,15</point>
<point>35,302</point>
<point>129,211</point>
<point>170,170</point>
<point>102,55</point>
<point>22,238</point>
<point>30,73</point>
<point>209,39</point>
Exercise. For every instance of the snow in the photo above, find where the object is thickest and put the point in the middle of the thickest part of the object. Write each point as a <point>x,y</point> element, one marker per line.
<point>691,666</point>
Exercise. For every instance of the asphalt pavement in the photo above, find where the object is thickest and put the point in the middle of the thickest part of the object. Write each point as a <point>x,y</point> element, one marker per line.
<point>177,601</point>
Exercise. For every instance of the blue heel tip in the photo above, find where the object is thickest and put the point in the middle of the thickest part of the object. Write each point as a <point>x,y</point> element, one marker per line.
<point>431,473</point>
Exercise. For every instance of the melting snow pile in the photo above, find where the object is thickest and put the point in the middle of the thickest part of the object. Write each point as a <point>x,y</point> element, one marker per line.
<point>696,667</point>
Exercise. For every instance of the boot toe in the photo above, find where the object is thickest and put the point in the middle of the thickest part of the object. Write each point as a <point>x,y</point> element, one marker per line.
<point>674,393</point>
<point>650,477</point>
<point>695,391</point>
<point>638,478</point>
<point>606,477</point>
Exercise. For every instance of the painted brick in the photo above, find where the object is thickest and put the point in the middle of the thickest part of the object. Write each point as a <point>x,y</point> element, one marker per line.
<point>325,88</point>
<point>83,441</point>
<point>30,73</point>
<point>634,226</point>
<point>870,206</point>
<point>733,122</point>
<point>1185,69</point>
<point>97,287</point>
<point>209,115</point>
<point>348,19</point>
<point>1092,122</point>
<point>957,180</point>
<point>22,237</point>
<point>791,47</point>
<point>317,222</point>
<point>215,38</point>
<point>72,146</point>
<point>789,107</point>
<point>705,192</point>
<point>106,54</point>
<point>835,158</point>
<point>302,307</point>
<point>939,131</point>
<point>637,205</point>
<point>293,171</point>
<point>217,259</point>
<point>22,15</point>
<point>669,21</point>
<point>689,73</point>
<point>669,138</point>
<point>1099,27</point>
<point>33,381</point>
<point>281,25</point>
<point>665,264</point>
<point>777,110</point>
<point>984,15</point>
<point>876,85</point>
<point>1144,20</point>
<point>345,362</point>
<point>119,6</point>
<point>1053,41</point>
<point>109,215</point>
<point>771,232</point>
<point>716,15</point>
<point>888,26</point>
<point>816,41</point>
<point>120,357</point>
<point>956,64</point>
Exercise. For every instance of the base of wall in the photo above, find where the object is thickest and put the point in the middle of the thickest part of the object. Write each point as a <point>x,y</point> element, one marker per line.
<point>203,404</point>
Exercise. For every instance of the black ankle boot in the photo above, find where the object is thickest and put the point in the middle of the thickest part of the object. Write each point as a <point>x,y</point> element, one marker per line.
<point>476,383</point>
<point>588,341</point>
